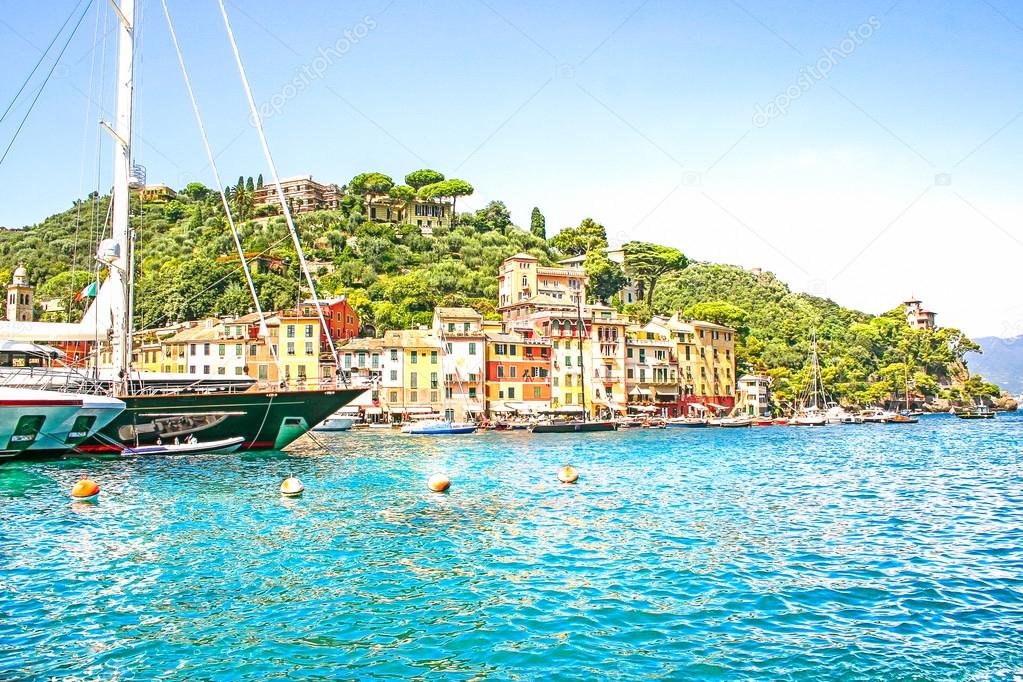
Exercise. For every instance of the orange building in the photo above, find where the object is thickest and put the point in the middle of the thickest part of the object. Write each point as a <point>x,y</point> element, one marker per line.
<point>518,372</point>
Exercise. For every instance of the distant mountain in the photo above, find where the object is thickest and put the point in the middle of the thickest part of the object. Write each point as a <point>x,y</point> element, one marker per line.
<point>1001,362</point>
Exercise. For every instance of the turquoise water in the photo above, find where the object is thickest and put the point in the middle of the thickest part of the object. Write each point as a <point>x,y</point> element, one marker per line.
<point>871,552</point>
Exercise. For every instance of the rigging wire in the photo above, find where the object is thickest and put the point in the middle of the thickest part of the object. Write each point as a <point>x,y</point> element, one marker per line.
<point>41,58</point>
<point>81,172</point>
<point>42,87</point>
<point>258,123</point>
<point>263,330</point>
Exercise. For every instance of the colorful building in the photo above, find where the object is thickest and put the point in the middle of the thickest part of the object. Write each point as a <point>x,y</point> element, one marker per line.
<point>426,214</point>
<point>526,287</point>
<point>651,374</point>
<point>706,362</point>
<point>518,375</point>
<point>460,333</point>
<point>302,193</point>
<point>753,395</point>
<point>342,320</point>
<point>413,355</point>
<point>917,317</point>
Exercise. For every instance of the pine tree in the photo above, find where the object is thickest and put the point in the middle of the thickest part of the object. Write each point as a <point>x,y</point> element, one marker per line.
<point>538,224</point>
<point>259,181</point>
<point>249,185</point>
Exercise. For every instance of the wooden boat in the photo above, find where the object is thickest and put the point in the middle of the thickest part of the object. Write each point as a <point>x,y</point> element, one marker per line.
<point>220,446</point>
<point>762,421</point>
<point>732,422</point>
<point>902,419</point>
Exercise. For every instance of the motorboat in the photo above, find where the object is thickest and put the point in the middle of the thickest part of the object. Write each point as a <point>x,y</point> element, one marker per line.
<point>739,422</point>
<point>438,427</point>
<point>573,426</point>
<point>839,415</point>
<point>811,416</point>
<point>224,445</point>
<point>37,422</point>
<point>898,418</point>
<point>687,423</point>
<point>339,421</point>
<point>873,415</point>
<point>976,412</point>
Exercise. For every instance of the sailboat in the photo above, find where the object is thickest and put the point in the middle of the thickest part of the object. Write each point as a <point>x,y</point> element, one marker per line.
<point>442,427</point>
<point>811,409</point>
<point>583,425</point>
<point>264,419</point>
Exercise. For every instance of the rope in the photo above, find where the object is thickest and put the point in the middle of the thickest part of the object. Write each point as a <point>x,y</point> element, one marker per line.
<point>45,81</point>
<point>258,122</point>
<point>223,195</point>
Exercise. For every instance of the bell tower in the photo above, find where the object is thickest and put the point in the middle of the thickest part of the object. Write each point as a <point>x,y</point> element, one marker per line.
<point>20,296</point>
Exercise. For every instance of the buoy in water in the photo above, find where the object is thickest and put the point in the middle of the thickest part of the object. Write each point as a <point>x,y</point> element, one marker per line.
<point>438,483</point>
<point>85,490</point>
<point>568,474</point>
<point>292,487</point>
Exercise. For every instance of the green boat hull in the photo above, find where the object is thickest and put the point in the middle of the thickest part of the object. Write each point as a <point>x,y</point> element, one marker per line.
<point>267,420</point>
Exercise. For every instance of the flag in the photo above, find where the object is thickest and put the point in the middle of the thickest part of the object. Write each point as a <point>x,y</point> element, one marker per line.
<point>87,292</point>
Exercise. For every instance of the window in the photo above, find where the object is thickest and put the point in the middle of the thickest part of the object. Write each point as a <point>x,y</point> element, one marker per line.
<point>291,347</point>
<point>451,326</point>
<point>290,330</point>
<point>568,361</point>
<point>191,349</point>
<point>536,391</point>
<point>511,392</point>
<point>362,358</point>
<point>513,371</point>
<point>394,396</point>
<point>433,380</point>
<point>205,369</point>
<point>413,357</point>
<point>447,348</point>
<point>348,360</point>
<point>262,372</point>
<point>394,375</point>
<point>191,369</point>
<point>414,380</point>
<point>500,394</point>
<point>206,349</point>
<point>238,371</point>
<point>500,371</point>
<point>472,348</point>
<point>309,331</point>
<point>238,350</point>
<point>221,370</point>
<point>631,373</point>
<point>433,357</point>
<point>413,395</point>
<point>472,391</point>
<point>308,347</point>
<point>394,355</point>
<point>628,353</point>
<point>500,349</point>
<point>465,327</point>
<point>433,396</point>
<point>511,349</point>
<point>375,361</point>
<point>448,392</point>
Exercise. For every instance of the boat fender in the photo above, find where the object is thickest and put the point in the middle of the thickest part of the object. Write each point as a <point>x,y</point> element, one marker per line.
<point>568,474</point>
<point>438,483</point>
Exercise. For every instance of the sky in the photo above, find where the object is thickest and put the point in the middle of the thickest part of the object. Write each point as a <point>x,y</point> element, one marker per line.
<point>862,151</point>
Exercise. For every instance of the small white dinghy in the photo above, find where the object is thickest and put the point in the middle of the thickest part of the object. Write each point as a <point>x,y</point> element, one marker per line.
<point>223,445</point>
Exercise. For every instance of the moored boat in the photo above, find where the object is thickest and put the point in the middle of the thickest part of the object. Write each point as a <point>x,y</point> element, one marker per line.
<point>438,427</point>
<point>35,422</point>
<point>224,445</point>
<point>976,412</point>
<point>573,426</point>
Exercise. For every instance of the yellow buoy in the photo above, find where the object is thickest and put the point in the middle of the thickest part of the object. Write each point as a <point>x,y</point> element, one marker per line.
<point>568,474</point>
<point>438,483</point>
<point>292,487</point>
<point>85,490</point>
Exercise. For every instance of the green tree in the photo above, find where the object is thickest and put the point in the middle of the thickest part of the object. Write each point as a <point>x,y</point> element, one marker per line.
<point>718,312</point>
<point>494,217</point>
<point>250,186</point>
<point>259,181</point>
<point>607,278</point>
<point>402,193</point>
<point>421,178</point>
<point>577,241</point>
<point>370,183</point>
<point>452,189</point>
<point>196,191</point>
<point>537,223</point>
<point>646,263</point>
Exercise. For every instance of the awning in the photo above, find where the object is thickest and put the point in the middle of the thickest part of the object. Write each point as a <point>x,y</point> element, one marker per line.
<point>569,409</point>
<point>500,407</point>
<point>643,408</point>
<point>612,405</point>
<point>718,407</point>
<point>698,407</point>
<point>353,409</point>
<point>374,410</point>
<point>397,409</point>
<point>636,390</point>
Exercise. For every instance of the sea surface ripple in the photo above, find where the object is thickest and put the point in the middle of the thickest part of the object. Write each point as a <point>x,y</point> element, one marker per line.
<point>838,553</point>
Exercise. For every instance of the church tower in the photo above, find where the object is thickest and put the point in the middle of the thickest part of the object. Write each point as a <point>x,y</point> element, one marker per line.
<point>19,297</point>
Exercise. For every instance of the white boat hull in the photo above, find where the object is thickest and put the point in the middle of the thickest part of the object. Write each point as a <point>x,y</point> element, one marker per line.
<point>34,422</point>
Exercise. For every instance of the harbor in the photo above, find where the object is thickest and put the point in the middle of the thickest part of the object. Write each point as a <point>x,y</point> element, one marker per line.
<point>866,552</point>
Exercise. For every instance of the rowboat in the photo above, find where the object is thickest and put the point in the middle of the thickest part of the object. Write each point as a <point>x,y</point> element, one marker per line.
<point>223,445</point>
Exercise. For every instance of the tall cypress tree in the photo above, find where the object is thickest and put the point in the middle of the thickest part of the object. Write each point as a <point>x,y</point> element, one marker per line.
<point>259,181</point>
<point>538,224</point>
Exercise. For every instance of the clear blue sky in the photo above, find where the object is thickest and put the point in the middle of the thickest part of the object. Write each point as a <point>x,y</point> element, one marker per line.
<point>898,173</point>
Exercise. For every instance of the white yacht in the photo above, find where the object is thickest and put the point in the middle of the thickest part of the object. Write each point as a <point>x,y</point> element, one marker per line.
<point>36,422</point>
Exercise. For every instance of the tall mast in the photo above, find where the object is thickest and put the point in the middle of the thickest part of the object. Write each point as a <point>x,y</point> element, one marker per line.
<point>121,131</point>
<point>582,365</point>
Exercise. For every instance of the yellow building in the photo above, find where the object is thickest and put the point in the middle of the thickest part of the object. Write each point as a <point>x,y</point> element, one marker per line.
<point>412,374</point>
<point>157,194</point>
<point>706,361</point>
<point>298,345</point>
